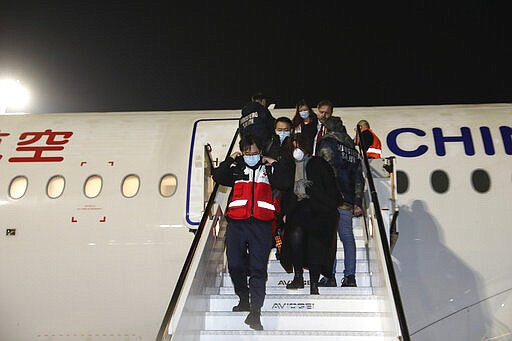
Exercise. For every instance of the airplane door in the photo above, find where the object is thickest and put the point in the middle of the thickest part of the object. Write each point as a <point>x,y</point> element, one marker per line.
<point>218,133</point>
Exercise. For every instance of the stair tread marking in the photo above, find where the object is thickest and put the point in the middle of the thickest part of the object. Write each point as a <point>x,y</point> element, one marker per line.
<point>325,314</point>
<point>286,320</point>
<point>296,332</point>
<point>282,289</point>
<point>306,274</point>
<point>316,297</point>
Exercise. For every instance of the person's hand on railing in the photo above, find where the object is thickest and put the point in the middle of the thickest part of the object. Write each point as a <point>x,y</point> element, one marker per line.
<point>236,154</point>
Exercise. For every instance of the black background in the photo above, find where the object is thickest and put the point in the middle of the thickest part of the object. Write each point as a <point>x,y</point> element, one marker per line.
<point>128,56</point>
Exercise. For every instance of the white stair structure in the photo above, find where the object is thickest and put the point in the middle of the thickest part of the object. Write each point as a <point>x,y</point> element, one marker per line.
<point>337,313</point>
<point>201,306</point>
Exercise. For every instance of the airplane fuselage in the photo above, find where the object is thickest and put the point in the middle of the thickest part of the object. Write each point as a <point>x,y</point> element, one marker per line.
<point>97,252</point>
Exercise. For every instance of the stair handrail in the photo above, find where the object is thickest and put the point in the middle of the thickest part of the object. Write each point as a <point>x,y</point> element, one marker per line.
<point>385,246</point>
<point>190,256</point>
<point>208,153</point>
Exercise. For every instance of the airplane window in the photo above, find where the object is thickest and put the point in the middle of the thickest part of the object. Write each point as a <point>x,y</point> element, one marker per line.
<point>92,187</point>
<point>439,180</point>
<point>55,186</point>
<point>481,180</point>
<point>402,182</point>
<point>168,185</point>
<point>130,186</point>
<point>18,187</point>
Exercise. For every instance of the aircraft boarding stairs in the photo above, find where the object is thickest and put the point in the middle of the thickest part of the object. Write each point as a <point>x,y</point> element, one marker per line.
<point>200,308</point>
<point>351,313</point>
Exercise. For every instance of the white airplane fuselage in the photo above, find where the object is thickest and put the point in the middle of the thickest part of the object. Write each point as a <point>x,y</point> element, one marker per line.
<point>74,267</point>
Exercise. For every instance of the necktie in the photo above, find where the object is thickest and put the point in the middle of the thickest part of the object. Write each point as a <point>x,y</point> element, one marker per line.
<point>320,133</point>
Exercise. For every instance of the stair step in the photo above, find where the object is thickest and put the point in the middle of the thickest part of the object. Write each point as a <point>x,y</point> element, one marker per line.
<point>360,254</point>
<point>361,266</point>
<point>360,243</point>
<point>299,321</point>
<point>305,302</point>
<point>282,278</point>
<point>323,291</point>
<point>340,255</point>
<point>293,335</point>
<point>352,314</point>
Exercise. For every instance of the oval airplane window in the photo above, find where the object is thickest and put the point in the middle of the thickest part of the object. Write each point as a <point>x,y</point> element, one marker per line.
<point>92,187</point>
<point>130,185</point>
<point>439,180</point>
<point>481,180</point>
<point>402,182</point>
<point>18,187</point>
<point>55,186</point>
<point>168,185</point>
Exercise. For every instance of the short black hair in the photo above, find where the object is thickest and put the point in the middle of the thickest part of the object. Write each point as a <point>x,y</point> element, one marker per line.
<point>283,119</point>
<point>258,97</point>
<point>325,102</point>
<point>248,140</point>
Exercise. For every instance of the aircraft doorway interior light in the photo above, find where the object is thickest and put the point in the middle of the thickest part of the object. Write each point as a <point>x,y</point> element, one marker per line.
<point>13,95</point>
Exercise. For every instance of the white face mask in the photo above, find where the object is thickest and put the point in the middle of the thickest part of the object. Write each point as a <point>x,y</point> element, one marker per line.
<point>298,154</point>
<point>282,135</point>
<point>252,160</point>
<point>304,114</point>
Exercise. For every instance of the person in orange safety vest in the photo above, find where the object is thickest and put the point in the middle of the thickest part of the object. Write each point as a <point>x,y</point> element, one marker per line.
<point>371,142</point>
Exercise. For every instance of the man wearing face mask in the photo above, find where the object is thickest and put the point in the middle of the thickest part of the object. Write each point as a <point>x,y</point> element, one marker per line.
<point>280,146</point>
<point>250,214</point>
<point>280,149</point>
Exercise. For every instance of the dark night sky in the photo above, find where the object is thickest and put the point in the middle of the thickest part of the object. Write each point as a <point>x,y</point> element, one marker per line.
<point>86,56</point>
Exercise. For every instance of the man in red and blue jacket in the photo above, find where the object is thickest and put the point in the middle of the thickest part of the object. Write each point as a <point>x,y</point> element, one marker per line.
<point>250,214</point>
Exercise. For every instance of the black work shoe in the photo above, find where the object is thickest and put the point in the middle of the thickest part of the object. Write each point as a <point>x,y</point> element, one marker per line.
<point>253,320</point>
<point>297,283</point>
<point>327,282</point>
<point>349,281</point>
<point>243,305</point>
<point>313,289</point>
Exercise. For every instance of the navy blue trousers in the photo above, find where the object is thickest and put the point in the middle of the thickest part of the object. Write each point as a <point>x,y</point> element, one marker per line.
<point>248,244</point>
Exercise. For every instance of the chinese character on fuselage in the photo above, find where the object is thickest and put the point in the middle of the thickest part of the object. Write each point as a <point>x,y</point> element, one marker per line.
<point>35,143</point>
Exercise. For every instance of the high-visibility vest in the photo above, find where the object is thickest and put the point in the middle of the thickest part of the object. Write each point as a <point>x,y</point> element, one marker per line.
<point>374,150</point>
<point>252,196</point>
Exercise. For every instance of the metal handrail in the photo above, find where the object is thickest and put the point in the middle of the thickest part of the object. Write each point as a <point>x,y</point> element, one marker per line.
<point>208,152</point>
<point>190,256</point>
<point>387,254</point>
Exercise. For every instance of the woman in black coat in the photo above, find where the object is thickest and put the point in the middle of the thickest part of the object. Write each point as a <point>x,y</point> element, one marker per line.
<point>311,216</point>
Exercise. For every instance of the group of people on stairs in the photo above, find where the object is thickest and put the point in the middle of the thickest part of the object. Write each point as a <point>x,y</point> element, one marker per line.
<point>301,179</point>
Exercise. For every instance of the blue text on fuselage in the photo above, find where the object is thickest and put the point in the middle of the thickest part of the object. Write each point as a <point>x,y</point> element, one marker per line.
<point>440,140</point>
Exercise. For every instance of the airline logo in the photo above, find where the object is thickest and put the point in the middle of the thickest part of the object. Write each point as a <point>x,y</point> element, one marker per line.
<point>440,140</point>
<point>38,146</point>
